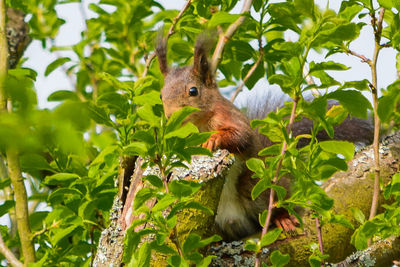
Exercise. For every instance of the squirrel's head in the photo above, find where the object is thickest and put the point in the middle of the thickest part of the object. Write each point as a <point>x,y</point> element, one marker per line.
<point>187,86</point>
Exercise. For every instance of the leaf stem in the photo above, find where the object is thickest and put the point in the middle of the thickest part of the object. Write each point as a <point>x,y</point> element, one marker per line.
<point>319,235</point>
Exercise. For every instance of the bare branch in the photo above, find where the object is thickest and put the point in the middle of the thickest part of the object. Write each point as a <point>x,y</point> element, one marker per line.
<point>7,253</point>
<point>378,33</point>
<point>241,85</point>
<point>363,58</point>
<point>224,38</point>
<point>170,32</point>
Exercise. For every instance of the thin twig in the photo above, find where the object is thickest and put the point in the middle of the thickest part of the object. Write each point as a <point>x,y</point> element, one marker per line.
<point>224,38</point>
<point>374,90</point>
<point>7,253</point>
<point>362,57</point>
<point>310,81</point>
<point>319,234</point>
<point>275,179</point>
<point>170,32</point>
<point>249,73</point>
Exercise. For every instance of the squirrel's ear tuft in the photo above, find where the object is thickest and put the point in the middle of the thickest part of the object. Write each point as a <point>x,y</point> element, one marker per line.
<point>161,52</point>
<point>201,66</point>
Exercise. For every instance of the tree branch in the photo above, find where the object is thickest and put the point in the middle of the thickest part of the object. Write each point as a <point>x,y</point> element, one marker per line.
<point>362,57</point>
<point>7,253</point>
<point>14,171</point>
<point>374,89</point>
<point>170,32</point>
<point>224,38</point>
<point>21,205</point>
<point>248,75</point>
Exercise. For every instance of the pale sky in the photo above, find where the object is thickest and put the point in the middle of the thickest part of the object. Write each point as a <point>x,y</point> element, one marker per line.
<point>70,34</point>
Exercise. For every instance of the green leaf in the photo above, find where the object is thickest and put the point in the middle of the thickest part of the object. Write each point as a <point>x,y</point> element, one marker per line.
<point>206,261</point>
<point>339,147</point>
<point>30,161</point>
<point>61,179</point>
<point>256,165</point>
<point>144,255</point>
<point>165,202</point>
<point>191,243</point>
<point>241,50</point>
<point>176,119</point>
<point>147,114</point>
<point>359,85</point>
<point>55,64</point>
<point>263,217</point>
<point>278,259</point>
<point>387,105</point>
<point>183,132</point>
<point>99,115</point>
<point>222,18</point>
<point>154,180</point>
<point>61,95</point>
<point>198,206</point>
<point>183,188</point>
<point>62,233</point>
<point>305,7</point>
<point>270,237</point>
<point>356,103</point>
<point>136,149</point>
<point>341,219</point>
<point>114,82</point>
<point>314,261</point>
<point>348,10</point>
<point>142,197</point>
<point>6,206</point>
<point>251,245</point>
<point>280,191</point>
<point>261,186</point>
<point>358,215</point>
<point>59,195</point>
<point>328,65</point>
<point>152,98</point>
<point>117,103</point>
<point>270,150</point>
<point>389,4</point>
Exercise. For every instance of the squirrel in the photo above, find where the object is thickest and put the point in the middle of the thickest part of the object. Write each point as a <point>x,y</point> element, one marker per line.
<point>195,86</point>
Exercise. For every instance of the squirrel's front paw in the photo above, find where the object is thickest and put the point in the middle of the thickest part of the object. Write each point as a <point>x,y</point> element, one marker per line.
<point>213,142</point>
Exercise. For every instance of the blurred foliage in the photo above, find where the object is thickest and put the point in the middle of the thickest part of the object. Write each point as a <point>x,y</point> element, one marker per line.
<point>70,155</point>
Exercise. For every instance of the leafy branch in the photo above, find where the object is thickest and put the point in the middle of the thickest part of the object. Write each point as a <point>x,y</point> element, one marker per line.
<point>275,179</point>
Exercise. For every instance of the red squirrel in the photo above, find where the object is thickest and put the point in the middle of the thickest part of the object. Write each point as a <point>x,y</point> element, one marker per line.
<point>195,86</point>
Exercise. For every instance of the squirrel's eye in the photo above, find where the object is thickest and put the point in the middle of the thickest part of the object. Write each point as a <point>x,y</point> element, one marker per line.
<point>193,91</point>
